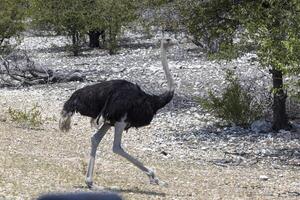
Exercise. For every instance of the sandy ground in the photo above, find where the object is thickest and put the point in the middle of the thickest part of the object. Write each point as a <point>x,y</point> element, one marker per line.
<point>196,162</point>
<point>38,161</point>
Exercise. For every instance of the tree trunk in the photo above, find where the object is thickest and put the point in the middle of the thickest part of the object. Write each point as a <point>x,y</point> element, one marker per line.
<point>280,119</point>
<point>94,39</point>
<point>103,37</point>
<point>112,40</point>
<point>75,48</point>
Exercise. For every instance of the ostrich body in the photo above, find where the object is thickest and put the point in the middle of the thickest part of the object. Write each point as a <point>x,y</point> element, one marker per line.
<point>121,104</point>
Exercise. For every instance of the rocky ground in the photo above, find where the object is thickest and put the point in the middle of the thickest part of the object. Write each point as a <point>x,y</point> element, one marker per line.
<point>197,159</point>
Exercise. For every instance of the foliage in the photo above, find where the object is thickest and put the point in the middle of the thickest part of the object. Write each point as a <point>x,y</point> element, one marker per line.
<point>161,14</point>
<point>12,16</point>
<point>116,14</point>
<point>235,105</point>
<point>210,23</point>
<point>64,17</point>
<point>75,18</point>
<point>274,29</point>
<point>31,118</point>
<point>269,27</point>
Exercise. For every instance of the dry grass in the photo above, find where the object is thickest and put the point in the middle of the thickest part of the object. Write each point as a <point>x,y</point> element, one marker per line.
<point>34,162</point>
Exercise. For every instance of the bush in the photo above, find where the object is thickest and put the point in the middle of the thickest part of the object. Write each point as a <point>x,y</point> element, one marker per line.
<point>31,118</point>
<point>75,19</point>
<point>235,105</point>
<point>12,16</point>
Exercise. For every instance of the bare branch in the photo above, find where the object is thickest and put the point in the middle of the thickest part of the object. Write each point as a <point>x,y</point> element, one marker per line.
<point>18,69</point>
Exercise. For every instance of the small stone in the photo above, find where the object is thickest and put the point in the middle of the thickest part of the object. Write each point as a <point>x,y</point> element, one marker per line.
<point>263,151</point>
<point>204,148</point>
<point>116,188</point>
<point>261,126</point>
<point>285,134</point>
<point>193,109</point>
<point>164,153</point>
<point>197,116</point>
<point>263,177</point>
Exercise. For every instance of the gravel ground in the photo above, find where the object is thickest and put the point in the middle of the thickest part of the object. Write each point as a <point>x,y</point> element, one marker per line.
<point>196,159</point>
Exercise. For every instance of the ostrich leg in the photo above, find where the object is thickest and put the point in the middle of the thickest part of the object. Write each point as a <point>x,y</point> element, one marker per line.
<point>117,148</point>
<point>95,140</point>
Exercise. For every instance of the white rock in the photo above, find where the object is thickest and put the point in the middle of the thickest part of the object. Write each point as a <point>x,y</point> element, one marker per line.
<point>204,148</point>
<point>197,116</point>
<point>263,177</point>
<point>261,126</point>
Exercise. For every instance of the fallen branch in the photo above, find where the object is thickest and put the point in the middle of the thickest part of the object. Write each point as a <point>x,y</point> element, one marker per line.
<point>18,69</point>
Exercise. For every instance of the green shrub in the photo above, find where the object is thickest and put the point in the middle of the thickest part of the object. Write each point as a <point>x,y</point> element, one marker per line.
<point>31,118</point>
<point>235,106</point>
<point>75,19</point>
<point>12,17</point>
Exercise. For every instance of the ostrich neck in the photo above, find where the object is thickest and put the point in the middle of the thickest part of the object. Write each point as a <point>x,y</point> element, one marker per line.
<point>159,101</point>
<point>167,70</point>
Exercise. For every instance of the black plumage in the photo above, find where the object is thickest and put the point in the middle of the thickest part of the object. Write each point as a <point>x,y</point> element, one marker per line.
<point>115,99</point>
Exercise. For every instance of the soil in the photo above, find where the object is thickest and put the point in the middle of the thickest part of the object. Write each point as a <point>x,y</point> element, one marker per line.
<point>197,159</point>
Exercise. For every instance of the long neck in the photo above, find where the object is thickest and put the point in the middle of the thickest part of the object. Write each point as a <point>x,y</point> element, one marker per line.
<point>165,65</point>
<point>159,101</point>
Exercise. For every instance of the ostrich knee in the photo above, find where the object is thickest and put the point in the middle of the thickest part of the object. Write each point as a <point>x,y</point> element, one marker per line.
<point>119,151</point>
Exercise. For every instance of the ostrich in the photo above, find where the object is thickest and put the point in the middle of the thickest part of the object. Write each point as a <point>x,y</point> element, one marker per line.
<point>121,104</point>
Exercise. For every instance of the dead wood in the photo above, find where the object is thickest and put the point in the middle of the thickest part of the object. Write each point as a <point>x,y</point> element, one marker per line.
<point>17,69</point>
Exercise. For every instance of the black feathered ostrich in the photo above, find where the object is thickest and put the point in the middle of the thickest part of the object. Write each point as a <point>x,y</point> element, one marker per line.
<point>121,104</point>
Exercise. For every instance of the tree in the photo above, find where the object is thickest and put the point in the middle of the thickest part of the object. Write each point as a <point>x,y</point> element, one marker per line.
<point>270,27</point>
<point>117,14</point>
<point>75,18</point>
<point>274,26</point>
<point>210,23</point>
<point>65,17</point>
<point>94,22</point>
<point>12,17</point>
<point>160,14</point>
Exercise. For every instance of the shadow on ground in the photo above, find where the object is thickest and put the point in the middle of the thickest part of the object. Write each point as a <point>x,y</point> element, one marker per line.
<point>241,147</point>
<point>134,190</point>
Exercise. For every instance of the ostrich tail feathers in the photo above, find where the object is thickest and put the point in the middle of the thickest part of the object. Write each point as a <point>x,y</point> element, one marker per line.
<point>65,121</point>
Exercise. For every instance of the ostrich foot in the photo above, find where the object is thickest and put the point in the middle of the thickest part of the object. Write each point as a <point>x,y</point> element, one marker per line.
<point>89,183</point>
<point>97,188</point>
<point>154,180</point>
<point>91,186</point>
